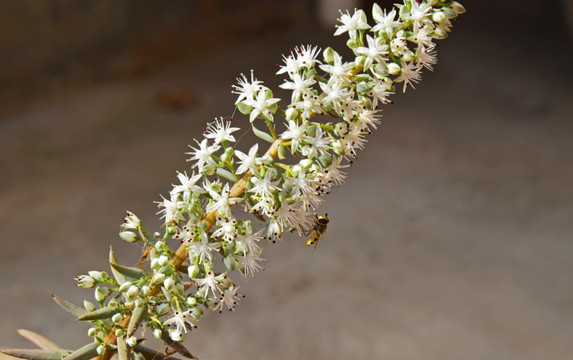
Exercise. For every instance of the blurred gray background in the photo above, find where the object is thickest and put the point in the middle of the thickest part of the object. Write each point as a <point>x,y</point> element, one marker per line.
<point>451,239</point>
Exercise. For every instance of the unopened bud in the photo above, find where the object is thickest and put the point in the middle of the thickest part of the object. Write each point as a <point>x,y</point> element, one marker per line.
<point>130,236</point>
<point>394,69</point>
<point>328,55</point>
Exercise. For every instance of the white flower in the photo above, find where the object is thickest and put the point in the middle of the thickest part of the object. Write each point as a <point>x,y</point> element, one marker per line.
<point>333,173</point>
<point>368,118</point>
<point>307,56</point>
<point>295,133</point>
<point>210,283</point>
<point>352,23</point>
<point>220,130</point>
<point>410,74</point>
<point>130,221</point>
<point>264,188</point>
<point>180,320</point>
<point>202,249</point>
<point>373,53</point>
<point>385,22</point>
<point>261,105</point>
<point>291,65</point>
<point>303,186</point>
<point>226,228</point>
<point>248,242</point>
<point>419,14</point>
<point>422,36</point>
<point>248,161</point>
<point>338,71</point>
<point>221,202</point>
<point>298,85</point>
<point>265,206</point>
<point>246,89</point>
<point>336,95</point>
<point>187,186</point>
<point>308,106</point>
<point>316,144</point>
<point>426,57</point>
<point>380,92</point>
<point>170,210</point>
<point>202,155</point>
<point>229,297</point>
<point>249,263</point>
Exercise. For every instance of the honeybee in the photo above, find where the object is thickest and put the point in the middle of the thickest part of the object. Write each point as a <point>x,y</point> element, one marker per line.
<point>319,229</point>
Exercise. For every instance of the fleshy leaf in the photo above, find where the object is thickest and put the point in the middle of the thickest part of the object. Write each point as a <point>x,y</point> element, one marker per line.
<point>150,354</point>
<point>69,307</point>
<point>177,346</point>
<point>263,135</point>
<point>38,340</point>
<point>123,352</point>
<point>147,236</point>
<point>36,354</point>
<point>227,174</point>
<point>99,314</point>
<point>137,317</point>
<point>116,274</point>
<point>86,352</point>
<point>131,272</point>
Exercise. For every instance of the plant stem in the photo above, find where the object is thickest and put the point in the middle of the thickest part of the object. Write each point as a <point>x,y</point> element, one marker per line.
<point>182,253</point>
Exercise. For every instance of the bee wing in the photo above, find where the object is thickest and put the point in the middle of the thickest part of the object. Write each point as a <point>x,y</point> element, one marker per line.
<point>315,244</point>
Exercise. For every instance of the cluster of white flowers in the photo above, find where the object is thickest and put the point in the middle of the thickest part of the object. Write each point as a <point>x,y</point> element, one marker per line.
<point>281,187</point>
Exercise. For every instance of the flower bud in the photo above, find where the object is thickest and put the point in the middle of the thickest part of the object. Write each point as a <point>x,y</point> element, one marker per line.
<point>85,281</point>
<point>92,332</point>
<point>450,14</point>
<point>458,8</point>
<point>101,293</point>
<point>351,44</point>
<point>157,333</point>
<point>168,283</point>
<point>209,169</point>
<point>193,270</point>
<point>117,318</point>
<point>291,113</point>
<point>113,304</point>
<point>439,34</point>
<point>230,262</point>
<point>227,157</point>
<point>89,306</point>
<point>100,349</point>
<point>176,336</point>
<point>191,301</point>
<point>124,286</point>
<point>130,236</point>
<point>328,55</point>
<point>119,332</point>
<point>132,292</point>
<point>394,69</point>
<point>99,275</point>
<point>408,56</point>
<point>132,341</point>
<point>438,16</point>
<point>157,278</point>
